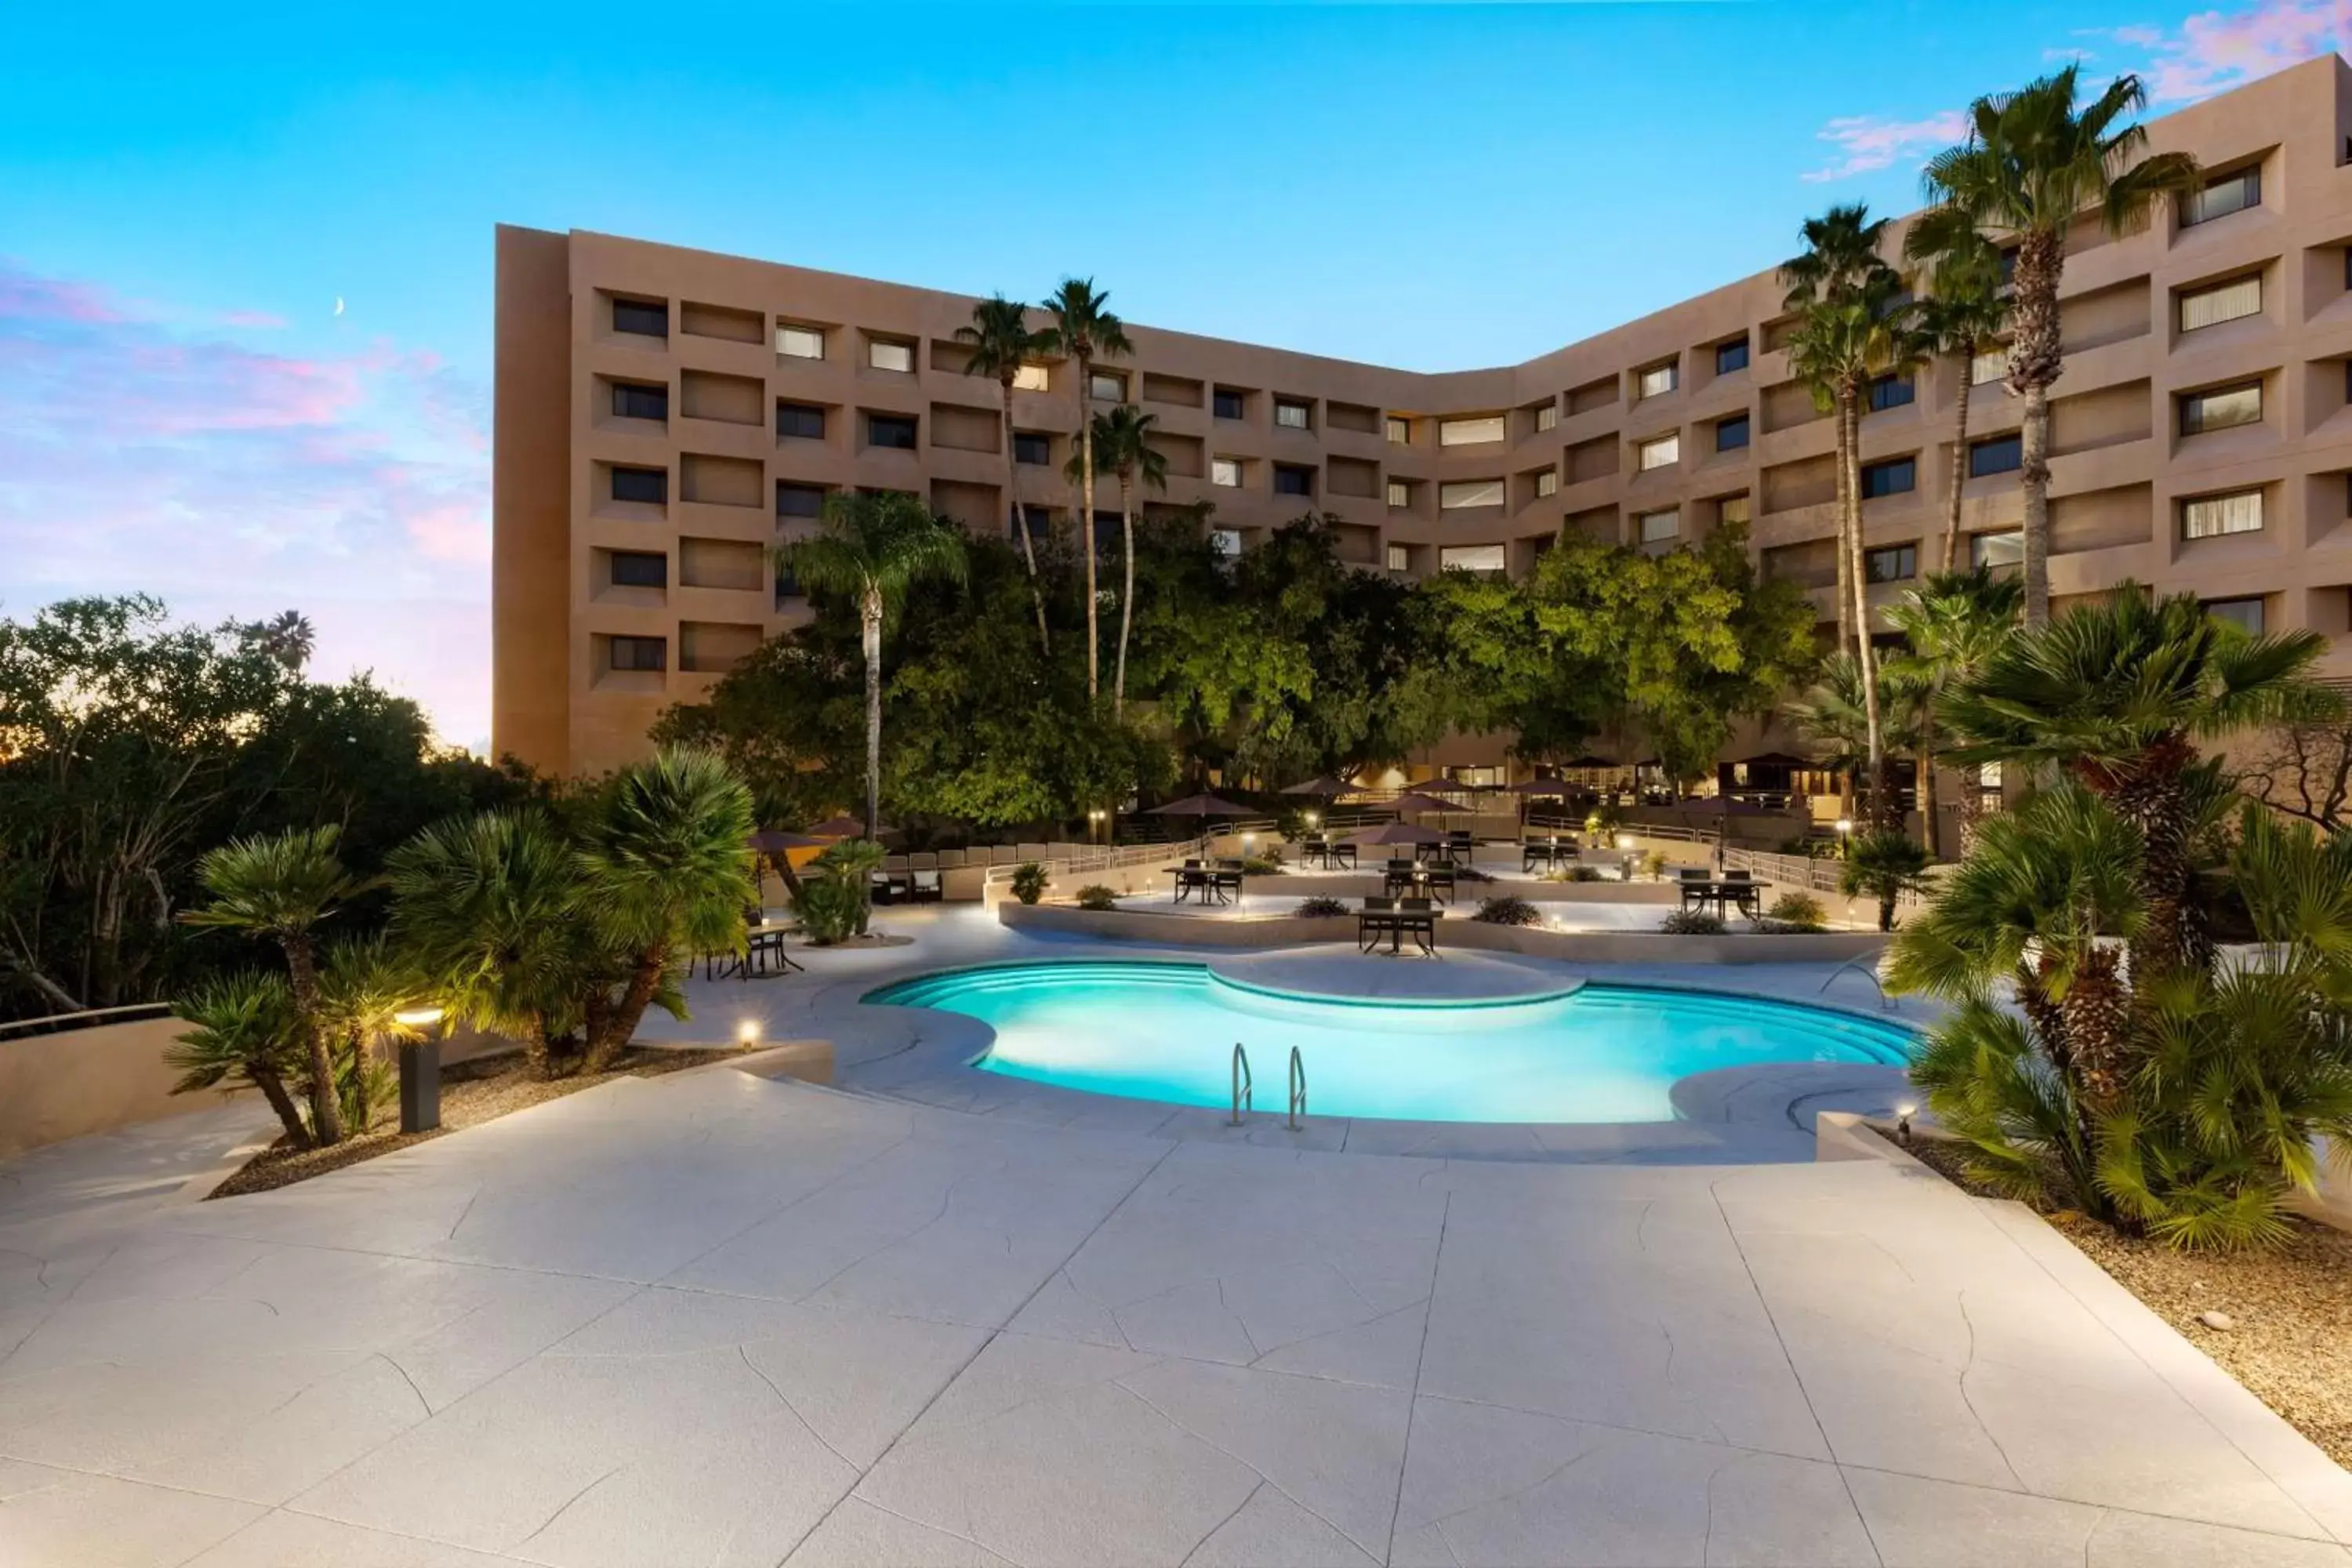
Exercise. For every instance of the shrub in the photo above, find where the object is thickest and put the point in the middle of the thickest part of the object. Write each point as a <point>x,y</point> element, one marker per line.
<point>1097,897</point>
<point>1506,910</point>
<point>1471,874</point>
<point>1692,922</point>
<point>830,908</point>
<point>1029,881</point>
<point>1796,911</point>
<point>1655,863</point>
<point>1577,873</point>
<point>1268,864</point>
<point>1318,908</point>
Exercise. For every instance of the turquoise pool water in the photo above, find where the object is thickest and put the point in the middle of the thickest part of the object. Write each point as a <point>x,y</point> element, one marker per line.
<point>1167,1031</point>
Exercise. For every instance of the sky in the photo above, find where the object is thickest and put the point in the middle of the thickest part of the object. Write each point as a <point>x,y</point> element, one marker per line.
<point>245,258</point>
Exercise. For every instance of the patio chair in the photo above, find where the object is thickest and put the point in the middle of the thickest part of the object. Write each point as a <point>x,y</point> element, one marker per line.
<point>1376,919</point>
<point>1439,877</point>
<point>1417,918</point>
<point>924,887</point>
<point>1316,850</point>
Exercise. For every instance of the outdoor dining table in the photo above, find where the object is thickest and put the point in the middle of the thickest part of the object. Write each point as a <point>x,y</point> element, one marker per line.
<point>1723,892</point>
<point>1395,920</point>
<point>762,942</point>
<point>1329,855</point>
<point>1218,884</point>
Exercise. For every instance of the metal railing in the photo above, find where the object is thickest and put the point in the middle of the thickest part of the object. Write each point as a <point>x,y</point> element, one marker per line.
<point>92,1018</point>
<point>1297,1087</point>
<point>1108,857</point>
<point>1244,1086</point>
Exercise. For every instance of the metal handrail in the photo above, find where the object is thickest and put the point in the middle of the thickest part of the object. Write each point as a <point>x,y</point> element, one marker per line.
<point>90,1018</point>
<point>1244,1086</point>
<point>1297,1087</point>
<point>1865,965</point>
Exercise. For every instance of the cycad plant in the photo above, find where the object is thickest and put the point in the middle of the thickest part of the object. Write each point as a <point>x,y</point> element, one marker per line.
<point>280,888</point>
<point>242,1030</point>
<point>363,983</point>
<point>869,548</point>
<point>1122,444</point>
<point>835,899</point>
<point>2034,161</point>
<point>1085,330</point>
<point>1835,716</point>
<point>1953,624</point>
<point>1002,345</point>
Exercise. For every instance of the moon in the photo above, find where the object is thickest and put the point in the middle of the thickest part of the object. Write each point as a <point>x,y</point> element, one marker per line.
<point>339,304</point>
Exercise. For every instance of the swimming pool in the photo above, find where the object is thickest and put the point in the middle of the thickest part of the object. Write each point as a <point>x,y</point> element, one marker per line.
<point>1167,1032</point>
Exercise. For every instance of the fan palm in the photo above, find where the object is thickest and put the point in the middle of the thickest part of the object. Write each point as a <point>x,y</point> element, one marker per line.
<point>1000,344</point>
<point>869,548</point>
<point>1085,330</point>
<point>1122,444</point>
<point>1885,866</point>
<point>667,873</point>
<point>279,887</point>
<point>1835,716</point>
<point>1963,317</point>
<point>2034,161</point>
<point>1954,623</point>
<point>2117,693</point>
<point>242,1028</point>
<point>363,983</point>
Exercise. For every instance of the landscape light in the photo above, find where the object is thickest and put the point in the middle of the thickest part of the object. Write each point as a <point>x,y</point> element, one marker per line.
<point>1903,1115</point>
<point>748,1031</point>
<point>417,1018</point>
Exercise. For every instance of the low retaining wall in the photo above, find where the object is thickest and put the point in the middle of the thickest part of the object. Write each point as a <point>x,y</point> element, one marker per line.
<point>1574,947</point>
<point>60,1086</point>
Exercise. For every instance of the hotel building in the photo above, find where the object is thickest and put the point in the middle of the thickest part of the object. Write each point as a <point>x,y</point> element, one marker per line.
<point>663,416</point>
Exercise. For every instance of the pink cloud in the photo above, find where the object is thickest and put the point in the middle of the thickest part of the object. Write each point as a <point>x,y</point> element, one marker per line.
<point>1865,142</point>
<point>137,452</point>
<point>2213,51</point>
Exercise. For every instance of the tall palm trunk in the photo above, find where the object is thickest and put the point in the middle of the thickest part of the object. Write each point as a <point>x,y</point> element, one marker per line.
<point>870,617</point>
<point>290,1115</point>
<point>1021,522</point>
<point>1882,804</point>
<point>302,970</point>
<point>1924,783</point>
<point>2176,933</point>
<point>1086,500</point>
<point>2036,357</point>
<point>1959,466</point>
<point>1127,593</point>
<point>614,1032</point>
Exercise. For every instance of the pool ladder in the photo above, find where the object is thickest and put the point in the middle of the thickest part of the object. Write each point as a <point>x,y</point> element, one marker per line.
<point>1246,1087</point>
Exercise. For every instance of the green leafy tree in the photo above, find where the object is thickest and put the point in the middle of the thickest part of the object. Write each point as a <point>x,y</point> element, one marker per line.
<point>1001,343</point>
<point>281,888</point>
<point>1085,330</point>
<point>868,549</point>
<point>2034,161</point>
<point>242,1030</point>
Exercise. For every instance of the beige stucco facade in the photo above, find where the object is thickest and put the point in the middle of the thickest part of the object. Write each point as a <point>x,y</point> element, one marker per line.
<point>1565,446</point>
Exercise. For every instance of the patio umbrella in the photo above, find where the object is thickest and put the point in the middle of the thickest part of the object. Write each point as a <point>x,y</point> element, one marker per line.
<point>1201,805</point>
<point>1560,787</point>
<point>1414,800</point>
<point>1396,833</point>
<point>1324,788</point>
<point>845,827</point>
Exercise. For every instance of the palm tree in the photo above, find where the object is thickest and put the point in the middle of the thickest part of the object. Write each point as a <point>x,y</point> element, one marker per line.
<point>287,638</point>
<point>1001,343</point>
<point>280,888</point>
<point>667,873</point>
<point>1085,330</point>
<point>2034,161</point>
<point>1954,624</point>
<point>1963,317</point>
<point>869,547</point>
<point>1122,442</point>
<point>1884,864</point>
<point>2117,693</point>
<point>242,1028</point>
<point>1834,714</point>
<point>363,983</point>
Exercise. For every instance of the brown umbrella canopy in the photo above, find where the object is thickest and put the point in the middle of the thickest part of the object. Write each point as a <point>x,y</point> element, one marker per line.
<point>1396,833</point>
<point>1416,801</point>
<point>1201,805</point>
<point>1326,788</point>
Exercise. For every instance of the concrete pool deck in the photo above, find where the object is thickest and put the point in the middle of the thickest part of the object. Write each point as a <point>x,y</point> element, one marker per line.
<point>715,1320</point>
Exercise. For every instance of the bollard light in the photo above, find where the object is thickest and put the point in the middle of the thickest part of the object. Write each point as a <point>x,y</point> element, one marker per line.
<point>1903,1115</point>
<point>420,1068</point>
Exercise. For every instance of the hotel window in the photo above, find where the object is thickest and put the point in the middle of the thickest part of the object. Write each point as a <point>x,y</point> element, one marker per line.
<point>2246,614</point>
<point>640,569</point>
<point>1471,558</point>
<point>883,354</point>
<point>1657,527</point>
<point>1290,414</point>
<point>788,585</point>
<point>1547,418</point>
<point>1996,550</point>
<point>1462,494</point>
<point>1891,564</point>
<point>2223,194</point>
<point>1028,447</point>
<point>1656,381</point>
<point>1226,471</point>
<point>1292,480</point>
<point>640,653</point>
<point>799,501</point>
<point>2209,517</point>
<point>1996,455</point>
<point>2219,302</point>
<point>1733,510</point>
<point>2222,408</point>
<point>800,421</point>
<point>1546,483</point>
<point>1399,493</point>
<point>892,430</point>
<point>1731,356</point>
<point>1659,452</point>
<point>1890,391</point>
<point>650,485</point>
<point>1399,431</point>
<point>1033,378</point>
<point>1892,478</point>
<point>800,342</point>
<point>1226,541</point>
<point>1989,366</point>
<point>1226,404</point>
<point>1731,434</point>
<point>1400,559</point>
<point>633,401</point>
<point>1469,432</point>
<point>1108,386</point>
<point>642,317</point>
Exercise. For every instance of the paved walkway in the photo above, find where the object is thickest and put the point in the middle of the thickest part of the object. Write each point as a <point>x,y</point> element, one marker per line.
<point>716,1319</point>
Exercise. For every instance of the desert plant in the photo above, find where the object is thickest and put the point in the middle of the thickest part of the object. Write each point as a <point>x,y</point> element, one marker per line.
<point>1265,864</point>
<point>1798,912</point>
<point>1506,910</point>
<point>1095,896</point>
<point>1577,873</point>
<point>853,862</point>
<point>361,984</point>
<point>1885,866</point>
<point>1692,922</point>
<point>1655,863</point>
<point>1318,908</point>
<point>243,1029</point>
<point>1029,881</point>
<point>829,908</point>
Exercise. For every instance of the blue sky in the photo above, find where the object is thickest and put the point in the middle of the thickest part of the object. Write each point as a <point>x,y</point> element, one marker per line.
<point>185,198</point>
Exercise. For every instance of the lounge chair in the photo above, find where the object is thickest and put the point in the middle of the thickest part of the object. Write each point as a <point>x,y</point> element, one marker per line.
<point>924,887</point>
